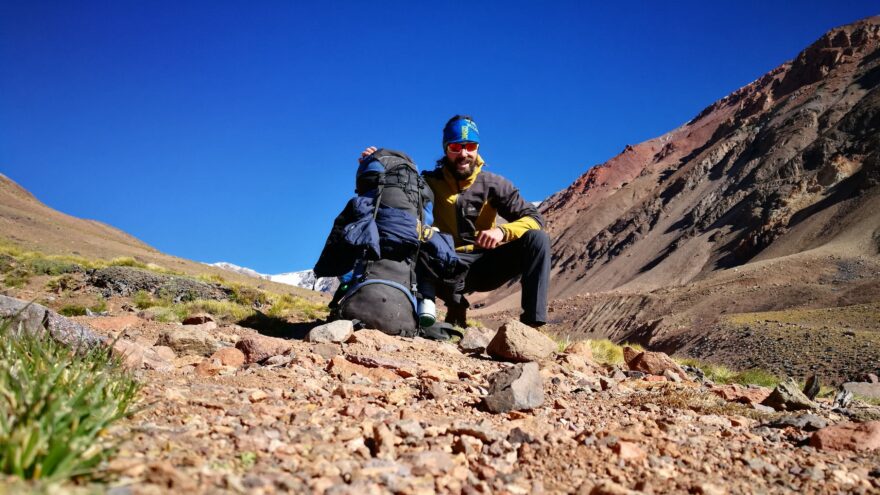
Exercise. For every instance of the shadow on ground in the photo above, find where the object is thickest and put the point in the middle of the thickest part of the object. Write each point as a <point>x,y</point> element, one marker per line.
<point>279,327</point>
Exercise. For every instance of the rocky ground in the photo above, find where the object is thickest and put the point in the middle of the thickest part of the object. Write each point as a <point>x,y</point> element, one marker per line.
<point>230,410</point>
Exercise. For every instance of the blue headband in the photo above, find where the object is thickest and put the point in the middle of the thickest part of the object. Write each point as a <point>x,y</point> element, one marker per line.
<point>459,131</point>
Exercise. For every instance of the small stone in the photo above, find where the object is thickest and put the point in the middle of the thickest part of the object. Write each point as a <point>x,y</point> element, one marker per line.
<point>258,348</point>
<point>518,342</point>
<point>476,339</point>
<point>811,387</point>
<point>652,363</point>
<point>629,451</point>
<point>258,396</point>
<point>334,332</point>
<point>516,388</point>
<point>806,422</point>
<point>384,442</point>
<point>787,396</point>
<point>208,367</point>
<point>430,462</point>
<point>192,340</point>
<point>165,352</point>
<point>229,356</point>
<point>848,437</point>
<point>606,488</point>
<point>327,351</point>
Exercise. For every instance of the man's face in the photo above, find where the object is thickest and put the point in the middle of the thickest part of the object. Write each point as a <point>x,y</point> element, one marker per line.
<point>460,161</point>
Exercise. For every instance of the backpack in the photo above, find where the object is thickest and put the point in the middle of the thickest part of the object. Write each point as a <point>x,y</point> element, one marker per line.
<point>375,242</point>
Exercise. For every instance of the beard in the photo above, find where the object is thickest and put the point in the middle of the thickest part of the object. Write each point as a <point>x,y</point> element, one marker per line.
<point>461,167</point>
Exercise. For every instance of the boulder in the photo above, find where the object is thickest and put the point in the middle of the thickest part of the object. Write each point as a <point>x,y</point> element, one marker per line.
<point>737,393</point>
<point>198,319</point>
<point>258,348</point>
<point>229,356</point>
<point>848,437</point>
<point>190,339</point>
<point>334,332</point>
<point>652,363</point>
<point>864,389</point>
<point>476,339</point>
<point>787,396</point>
<point>519,342</point>
<point>36,319</point>
<point>517,388</point>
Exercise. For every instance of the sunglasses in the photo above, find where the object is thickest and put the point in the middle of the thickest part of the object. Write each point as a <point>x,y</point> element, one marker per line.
<point>457,147</point>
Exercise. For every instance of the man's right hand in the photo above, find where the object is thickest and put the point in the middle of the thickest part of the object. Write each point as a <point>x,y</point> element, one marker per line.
<point>367,152</point>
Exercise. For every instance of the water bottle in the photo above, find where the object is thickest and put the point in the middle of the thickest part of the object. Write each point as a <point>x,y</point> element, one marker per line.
<point>427,313</point>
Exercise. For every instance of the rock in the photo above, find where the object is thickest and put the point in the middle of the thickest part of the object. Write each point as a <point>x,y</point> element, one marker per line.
<point>430,462</point>
<point>476,339</point>
<point>865,389</point>
<point>343,368</point>
<point>165,352</point>
<point>115,323</point>
<point>327,351</point>
<point>629,451</point>
<point>258,348</point>
<point>191,339</point>
<point>581,348</point>
<point>848,437</point>
<point>383,439</point>
<point>334,332</point>
<point>606,488</point>
<point>136,356</point>
<point>402,367</point>
<point>787,396</point>
<point>518,342</point>
<point>198,319</point>
<point>811,387</point>
<point>208,367</point>
<point>738,393</point>
<point>652,363</point>
<point>229,356</point>
<point>516,388</point>
<point>36,319</point>
<point>806,422</point>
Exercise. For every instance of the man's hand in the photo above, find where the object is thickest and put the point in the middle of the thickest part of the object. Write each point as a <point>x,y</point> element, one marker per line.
<point>367,152</point>
<point>490,239</point>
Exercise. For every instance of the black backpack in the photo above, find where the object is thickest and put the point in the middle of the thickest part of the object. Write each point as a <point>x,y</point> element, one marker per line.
<point>375,242</point>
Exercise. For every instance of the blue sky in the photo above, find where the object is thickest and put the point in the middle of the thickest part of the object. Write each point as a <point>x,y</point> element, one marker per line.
<point>230,130</point>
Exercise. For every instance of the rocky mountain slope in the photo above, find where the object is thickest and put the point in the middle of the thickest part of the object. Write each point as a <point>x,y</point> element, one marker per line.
<point>767,200</point>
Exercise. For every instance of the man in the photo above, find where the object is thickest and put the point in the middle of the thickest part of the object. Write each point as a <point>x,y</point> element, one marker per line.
<point>466,202</point>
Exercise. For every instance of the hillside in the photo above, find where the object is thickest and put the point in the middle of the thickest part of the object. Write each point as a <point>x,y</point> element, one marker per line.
<point>27,223</point>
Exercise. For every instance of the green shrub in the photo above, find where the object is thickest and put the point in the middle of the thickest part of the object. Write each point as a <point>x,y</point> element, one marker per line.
<point>722,374</point>
<point>49,266</point>
<point>72,310</point>
<point>607,352</point>
<point>249,296</point>
<point>62,283</point>
<point>56,405</point>
<point>142,300</point>
<point>286,305</point>
<point>18,277</point>
<point>223,310</point>
<point>127,261</point>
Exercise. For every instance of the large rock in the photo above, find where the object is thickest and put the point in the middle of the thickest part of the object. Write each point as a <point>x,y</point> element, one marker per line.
<point>737,393</point>
<point>476,339</point>
<point>787,396</point>
<point>865,389</point>
<point>518,342</point>
<point>258,348</point>
<point>848,436</point>
<point>126,281</point>
<point>36,319</point>
<point>189,340</point>
<point>515,389</point>
<point>652,363</point>
<point>335,332</point>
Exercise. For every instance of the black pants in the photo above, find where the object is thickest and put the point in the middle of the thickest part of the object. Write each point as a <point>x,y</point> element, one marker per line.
<point>528,257</point>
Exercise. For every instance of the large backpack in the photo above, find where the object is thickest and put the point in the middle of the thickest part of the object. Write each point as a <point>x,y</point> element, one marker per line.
<point>375,242</point>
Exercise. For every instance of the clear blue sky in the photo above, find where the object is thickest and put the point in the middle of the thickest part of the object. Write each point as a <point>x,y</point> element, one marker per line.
<point>229,130</point>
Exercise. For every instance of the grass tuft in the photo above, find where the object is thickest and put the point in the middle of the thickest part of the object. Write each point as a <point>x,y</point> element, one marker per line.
<point>722,374</point>
<point>56,404</point>
<point>607,352</point>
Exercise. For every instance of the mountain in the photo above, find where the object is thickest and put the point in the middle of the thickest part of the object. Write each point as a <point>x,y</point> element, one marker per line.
<point>767,200</point>
<point>305,278</point>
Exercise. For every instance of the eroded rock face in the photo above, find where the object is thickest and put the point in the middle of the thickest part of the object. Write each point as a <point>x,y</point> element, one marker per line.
<point>36,319</point>
<point>126,281</point>
<point>848,436</point>
<point>517,388</point>
<point>518,342</point>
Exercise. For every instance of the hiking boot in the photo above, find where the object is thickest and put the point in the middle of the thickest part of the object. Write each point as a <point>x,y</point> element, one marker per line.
<point>456,315</point>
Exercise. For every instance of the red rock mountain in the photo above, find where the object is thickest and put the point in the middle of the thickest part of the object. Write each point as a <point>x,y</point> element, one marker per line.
<point>766,200</point>
<point>786,164</point>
